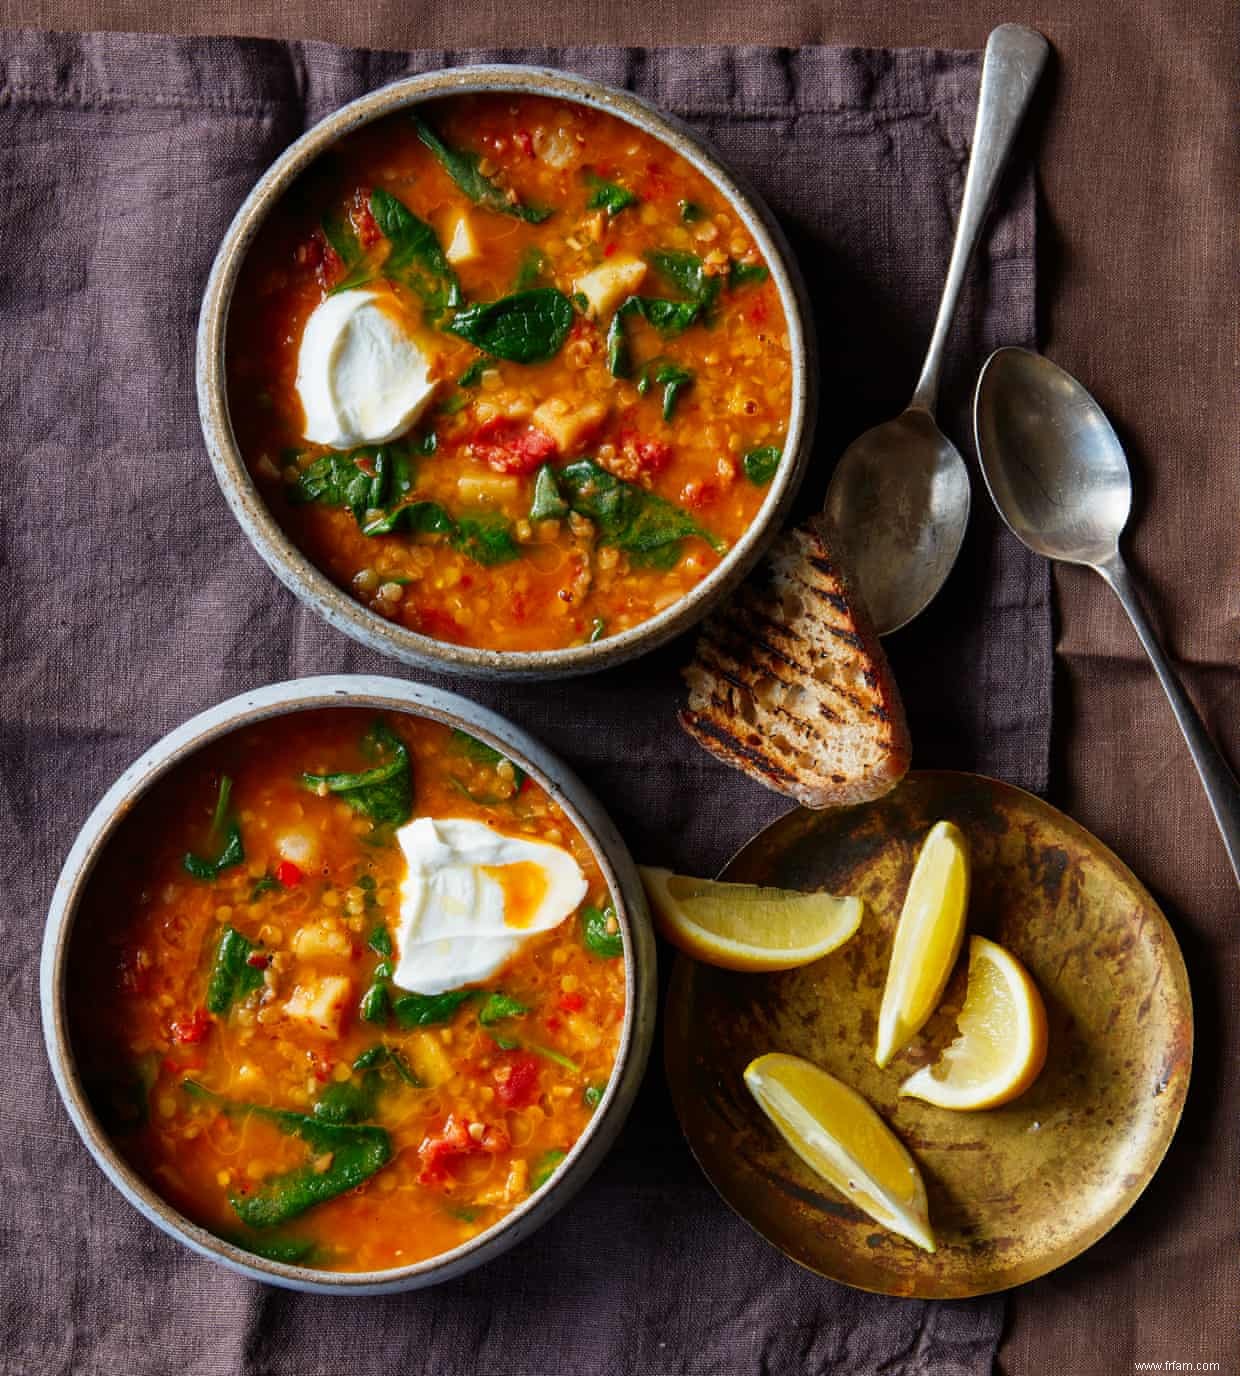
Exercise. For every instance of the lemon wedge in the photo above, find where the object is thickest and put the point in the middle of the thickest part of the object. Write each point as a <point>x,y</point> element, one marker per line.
<point>745,926</point>
<point>1001,1048</point>
<point>838,1135</point>
<point>928,937</point>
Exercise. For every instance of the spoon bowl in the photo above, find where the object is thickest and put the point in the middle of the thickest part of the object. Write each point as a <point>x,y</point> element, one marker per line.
<point>1050,458</point>
<point>899,502</point>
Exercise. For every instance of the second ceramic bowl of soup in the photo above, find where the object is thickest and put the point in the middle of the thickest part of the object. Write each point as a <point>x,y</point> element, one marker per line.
<point>503,372</point>
<point>348,984</point>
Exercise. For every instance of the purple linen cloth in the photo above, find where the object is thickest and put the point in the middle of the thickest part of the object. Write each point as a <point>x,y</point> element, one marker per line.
<point>130,599</point>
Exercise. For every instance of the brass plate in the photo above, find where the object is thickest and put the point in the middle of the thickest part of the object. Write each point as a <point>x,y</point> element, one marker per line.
<point>1014,1191</point>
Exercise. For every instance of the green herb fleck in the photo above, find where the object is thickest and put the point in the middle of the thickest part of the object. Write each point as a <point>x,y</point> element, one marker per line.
<point>760,464</point>
<point>499,1006</point>
<point>663,373</point>
<point>545,1168</point>
<point>592,1095</point>
<point>598,629</point>
<point>472,375</point>
<point>608,196</point>
<point>265,884</point>
<point>741,274</point>
<point>690,211</point>
<point>597,937</point>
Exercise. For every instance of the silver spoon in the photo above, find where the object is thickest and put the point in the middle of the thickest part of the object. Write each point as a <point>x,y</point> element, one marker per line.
<point>899,497</point>
<point>1058,475</point>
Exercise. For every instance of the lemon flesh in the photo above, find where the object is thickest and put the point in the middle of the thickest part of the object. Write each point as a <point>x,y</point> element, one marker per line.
<point>928,937</point>
<point>1001,1048</point>
<point>841,1138</point>
<point>746,926</point>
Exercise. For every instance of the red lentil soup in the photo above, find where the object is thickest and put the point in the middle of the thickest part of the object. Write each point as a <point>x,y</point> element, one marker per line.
<point>609,355</point>
<point>239,1030</point>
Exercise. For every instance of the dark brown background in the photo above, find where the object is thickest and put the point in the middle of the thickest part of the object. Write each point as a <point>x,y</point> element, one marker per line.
<point>1139,282</point>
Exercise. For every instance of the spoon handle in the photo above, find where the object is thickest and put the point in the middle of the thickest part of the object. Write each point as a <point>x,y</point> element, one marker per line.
<point>1014,60</point>
<point>1219,782</point>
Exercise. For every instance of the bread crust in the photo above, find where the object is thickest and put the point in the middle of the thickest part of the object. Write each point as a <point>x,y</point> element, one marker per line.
<point>789,682</point>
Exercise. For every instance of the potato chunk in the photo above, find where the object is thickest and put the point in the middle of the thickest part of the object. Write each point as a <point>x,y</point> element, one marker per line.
<point>429,1060</point>
<point>605,286</point>
<point>319,1003</point>
<point>569,426</point>
<point>322,938</point>
<point>463,245</point>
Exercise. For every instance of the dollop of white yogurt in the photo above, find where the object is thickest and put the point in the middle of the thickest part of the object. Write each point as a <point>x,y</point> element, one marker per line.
<point>471,896</point>
<point>361,376</point>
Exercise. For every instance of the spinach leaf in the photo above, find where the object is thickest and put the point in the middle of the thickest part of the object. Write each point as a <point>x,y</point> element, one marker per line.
<point>472,375</point>
<point>376,1003</point>
<point>415,518</point>
<point>289,1250</point>
<point>462,167</point>
<point>416,259</point>
<point>263,884</point>
<point>385,792</point>
<point>486,540</point>
<point>592,1095</point>
<point>532,266</point>
<point>547,504</point>
<point>358,480</point>
<point>548,1053</point>
<point>526,327</point>
<point>232,976</point>
<point>482,753</point>
<point>609,196</point>
<point>380,1055</point>
<point>380,940</point>
<point>688,272</point>
<point>740,274</point>
<point>690,211</point>
<point>342,1101</point>
<point>354,1153</point>
<point>595,936</point>
<point>231,853</point>
<point>760,464</point>
<point>499,1006</point>
<point>663,373</point>
<point>648,528</point>
<point>668,317</point>
<point>545,1168</point>
<point>339,232</point>
<point>425,1010</point>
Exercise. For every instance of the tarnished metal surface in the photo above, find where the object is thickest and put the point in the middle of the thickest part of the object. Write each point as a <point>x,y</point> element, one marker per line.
<point>1014,1191</point>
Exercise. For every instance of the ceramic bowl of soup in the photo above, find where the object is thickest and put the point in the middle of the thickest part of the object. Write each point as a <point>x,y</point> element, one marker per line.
<point>503,372</point>
<point>348,984</point>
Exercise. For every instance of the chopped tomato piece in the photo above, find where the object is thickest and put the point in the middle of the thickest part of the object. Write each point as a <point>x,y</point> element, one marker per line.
<point>571,1003</point>
<point>609,249</point>
<point>288,874</point>
<point>510,446</point>
<point>191,1027</point>
<point>553,1023</point>
<point>175,1067</point>
<point>438,1151</point>
<point>525,142</point>
<point>258,959</point>
<point>516,1080</point>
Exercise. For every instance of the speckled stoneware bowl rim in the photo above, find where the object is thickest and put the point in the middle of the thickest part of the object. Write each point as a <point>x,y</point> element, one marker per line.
<point>375,693</point>
<point>313,586</point>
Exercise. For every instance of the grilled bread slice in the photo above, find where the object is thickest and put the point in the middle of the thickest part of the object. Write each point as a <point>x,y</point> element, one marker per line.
<point>790,684</point>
